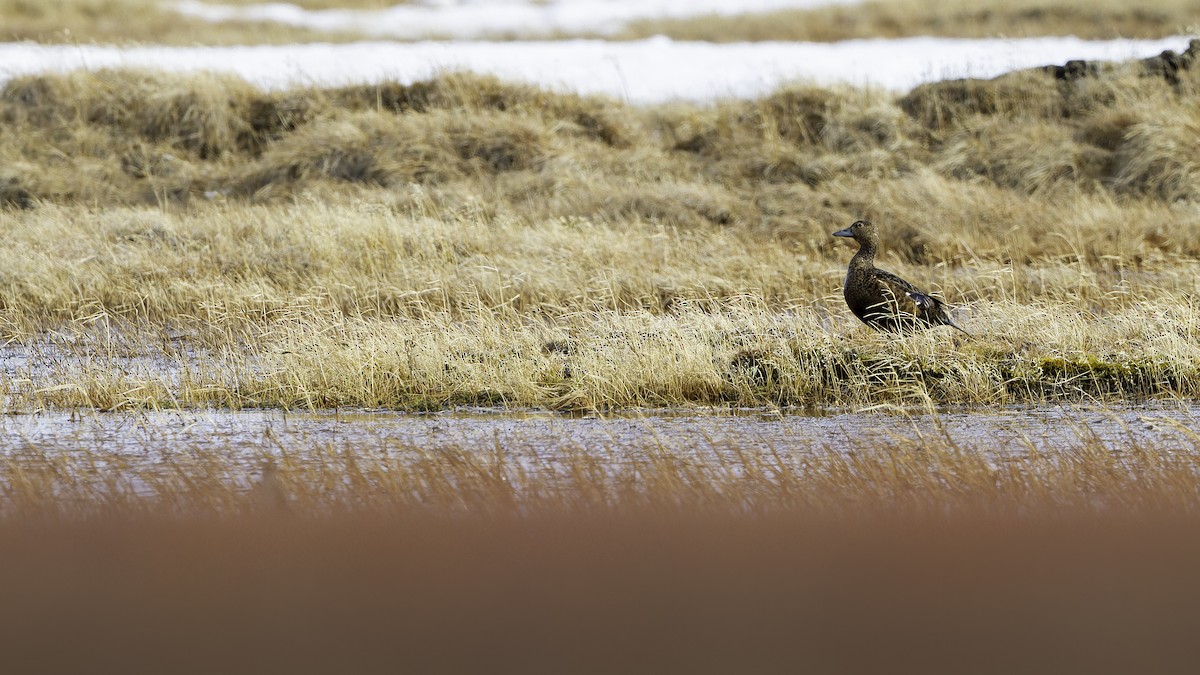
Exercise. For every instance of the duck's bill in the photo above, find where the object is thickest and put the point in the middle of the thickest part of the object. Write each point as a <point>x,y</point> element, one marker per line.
<point>843,233</point>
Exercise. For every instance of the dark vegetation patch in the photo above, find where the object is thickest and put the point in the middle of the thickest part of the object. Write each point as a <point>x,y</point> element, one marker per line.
<point>809,376</point>
<point>14,195</point>
<point>754,368</point>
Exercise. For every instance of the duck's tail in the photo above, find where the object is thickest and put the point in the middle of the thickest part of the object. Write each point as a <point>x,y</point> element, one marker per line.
<point>937,310</point>
<point>944,319</point>
<point>950,322</point>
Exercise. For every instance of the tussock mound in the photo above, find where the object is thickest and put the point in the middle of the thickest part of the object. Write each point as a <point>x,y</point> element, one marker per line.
<point>1161,158</point>
<point>951,104</point>
<point>1029,158</point>
<point>201,113</point>
<point>128,137</point>
<point>384,149</point>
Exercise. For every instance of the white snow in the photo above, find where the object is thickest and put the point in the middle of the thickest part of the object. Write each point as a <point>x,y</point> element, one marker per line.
<point>645,71</point>
<point>466,19</point>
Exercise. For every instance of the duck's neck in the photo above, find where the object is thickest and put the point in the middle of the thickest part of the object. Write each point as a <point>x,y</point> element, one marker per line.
<point>865,256</point>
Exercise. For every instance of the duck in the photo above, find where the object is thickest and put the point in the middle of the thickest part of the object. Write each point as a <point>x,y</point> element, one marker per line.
<point>881,299</point>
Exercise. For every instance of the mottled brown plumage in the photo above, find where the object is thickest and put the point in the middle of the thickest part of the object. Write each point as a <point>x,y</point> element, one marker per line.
<point>881,299</point>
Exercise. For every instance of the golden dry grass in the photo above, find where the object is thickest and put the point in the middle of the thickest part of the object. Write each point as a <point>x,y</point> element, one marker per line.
<point>328,4</point>
<point>105,21</point>
<point>108,21</point>
<point>1086,19</point>
<point>313,306</point>
<point>194,241</point>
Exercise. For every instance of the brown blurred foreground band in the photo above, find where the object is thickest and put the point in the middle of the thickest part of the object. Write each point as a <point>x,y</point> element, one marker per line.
<point>611,593</point>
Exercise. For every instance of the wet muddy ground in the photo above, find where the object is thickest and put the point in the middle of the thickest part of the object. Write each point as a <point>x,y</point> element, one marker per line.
<point>544,435</point>
<point>147,453</point>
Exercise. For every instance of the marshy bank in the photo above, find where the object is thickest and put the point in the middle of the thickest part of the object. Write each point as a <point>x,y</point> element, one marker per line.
<point>463,241</point>
<point>602,361</point>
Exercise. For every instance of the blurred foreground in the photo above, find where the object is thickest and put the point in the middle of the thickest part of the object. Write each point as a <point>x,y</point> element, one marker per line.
<point>636,591</point>
<point>310,552</point>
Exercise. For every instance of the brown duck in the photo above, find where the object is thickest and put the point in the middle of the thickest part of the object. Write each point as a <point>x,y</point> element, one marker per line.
<point>881,299</point>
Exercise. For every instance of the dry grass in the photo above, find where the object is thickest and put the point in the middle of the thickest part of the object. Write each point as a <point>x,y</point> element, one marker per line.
<point>1085,19</point>
<point>108,21</point>
<point>197,241</point>
<point>327,4</point>
<point>137,137</point>
<point>312,306</point>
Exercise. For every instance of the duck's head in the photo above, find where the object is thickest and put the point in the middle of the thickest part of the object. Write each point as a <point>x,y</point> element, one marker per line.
<point>862,231</point>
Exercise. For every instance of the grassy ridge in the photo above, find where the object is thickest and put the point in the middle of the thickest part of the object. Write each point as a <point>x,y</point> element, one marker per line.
<point>463,240</point>
<point>1101,20</point>
<point>87,21</point>
<point>138,137</point>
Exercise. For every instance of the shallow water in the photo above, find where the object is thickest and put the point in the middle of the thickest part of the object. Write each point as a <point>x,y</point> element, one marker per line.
<point>139,453</point>
<point>545,435</point>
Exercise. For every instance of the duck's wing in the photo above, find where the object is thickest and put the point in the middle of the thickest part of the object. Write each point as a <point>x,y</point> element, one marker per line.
<point>906,296</point>
<point>931,309</point>
<point>925,302</point>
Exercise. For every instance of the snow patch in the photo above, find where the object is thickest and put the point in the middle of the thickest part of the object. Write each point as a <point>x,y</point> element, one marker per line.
<point>645,71</point>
